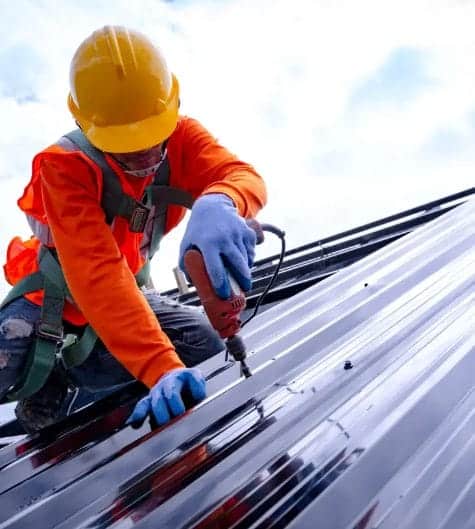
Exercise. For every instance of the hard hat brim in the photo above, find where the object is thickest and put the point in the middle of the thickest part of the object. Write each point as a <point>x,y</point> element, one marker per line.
<point>135,136</point>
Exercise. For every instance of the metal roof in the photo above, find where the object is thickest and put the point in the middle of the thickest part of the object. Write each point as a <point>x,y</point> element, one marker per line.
<point>360,412</point>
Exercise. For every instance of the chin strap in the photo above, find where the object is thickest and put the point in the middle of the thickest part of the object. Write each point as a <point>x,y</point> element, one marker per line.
<point>148,171</point>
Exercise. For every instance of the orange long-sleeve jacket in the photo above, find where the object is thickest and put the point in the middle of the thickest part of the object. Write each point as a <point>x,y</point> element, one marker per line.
<point>99,261</point>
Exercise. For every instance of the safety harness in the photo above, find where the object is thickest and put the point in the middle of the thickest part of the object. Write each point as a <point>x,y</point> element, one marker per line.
<point>51,346</point>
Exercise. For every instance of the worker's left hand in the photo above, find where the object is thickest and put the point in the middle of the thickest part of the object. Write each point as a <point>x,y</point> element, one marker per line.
<point>224,239</point>
<point>165,399</point>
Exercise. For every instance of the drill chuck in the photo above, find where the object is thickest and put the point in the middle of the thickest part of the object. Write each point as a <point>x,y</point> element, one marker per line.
<point>237,349</point>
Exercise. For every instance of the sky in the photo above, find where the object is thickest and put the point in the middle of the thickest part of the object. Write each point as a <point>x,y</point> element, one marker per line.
<point>350,110</point>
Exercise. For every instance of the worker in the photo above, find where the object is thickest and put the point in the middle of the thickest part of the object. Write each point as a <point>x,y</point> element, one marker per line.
<point>98,202</point>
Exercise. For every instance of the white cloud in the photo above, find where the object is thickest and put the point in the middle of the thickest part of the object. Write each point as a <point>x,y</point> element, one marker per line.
<point>274,81</point>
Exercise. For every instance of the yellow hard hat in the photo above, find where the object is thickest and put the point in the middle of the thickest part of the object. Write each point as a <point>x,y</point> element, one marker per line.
<point>123,95</point>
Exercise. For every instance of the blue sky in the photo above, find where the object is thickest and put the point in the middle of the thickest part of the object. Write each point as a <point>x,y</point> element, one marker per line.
<point>401,79</point>
<point>350,110</point>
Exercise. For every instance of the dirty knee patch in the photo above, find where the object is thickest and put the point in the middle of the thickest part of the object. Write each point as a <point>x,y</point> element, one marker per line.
<point>13,328</point>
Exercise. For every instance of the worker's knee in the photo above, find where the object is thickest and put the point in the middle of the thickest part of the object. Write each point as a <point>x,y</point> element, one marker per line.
<point>198,343</point>
<point>195,341</point>
<point>187,327</point>
<point>202,336</point>
<point>194,338</point>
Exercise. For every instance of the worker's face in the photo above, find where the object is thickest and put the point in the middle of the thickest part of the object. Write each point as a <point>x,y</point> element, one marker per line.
<point>140,160</point>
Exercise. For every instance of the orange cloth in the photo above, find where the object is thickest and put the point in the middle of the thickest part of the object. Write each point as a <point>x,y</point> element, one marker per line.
<point>99,264</point>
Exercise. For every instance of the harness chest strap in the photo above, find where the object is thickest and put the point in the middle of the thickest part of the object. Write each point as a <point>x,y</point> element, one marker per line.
<point>115,202</point>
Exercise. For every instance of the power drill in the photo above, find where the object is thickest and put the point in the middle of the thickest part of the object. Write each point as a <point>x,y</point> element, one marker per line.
<point>223,314</point>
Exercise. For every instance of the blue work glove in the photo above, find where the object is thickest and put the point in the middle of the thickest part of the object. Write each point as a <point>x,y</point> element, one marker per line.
<point>224,239</point>
<point>165,398</point>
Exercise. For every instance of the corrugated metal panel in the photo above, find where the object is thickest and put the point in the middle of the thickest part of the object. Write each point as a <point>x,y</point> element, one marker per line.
<point>313,262</point>
<point>360,414</point>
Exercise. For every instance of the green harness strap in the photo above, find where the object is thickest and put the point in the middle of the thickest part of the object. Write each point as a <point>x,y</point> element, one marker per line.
<point>50,344</point>
<point>49,329</point>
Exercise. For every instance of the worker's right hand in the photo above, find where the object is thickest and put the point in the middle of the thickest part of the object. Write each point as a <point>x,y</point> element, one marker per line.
<point>224,240</point>
<point>165,399</point>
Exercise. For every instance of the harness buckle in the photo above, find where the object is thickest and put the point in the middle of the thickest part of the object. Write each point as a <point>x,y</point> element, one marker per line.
<point>49,332</point>
<point>139,218</point>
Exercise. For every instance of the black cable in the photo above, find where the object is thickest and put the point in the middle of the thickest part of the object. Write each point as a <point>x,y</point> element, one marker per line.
<point>281,234</point>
